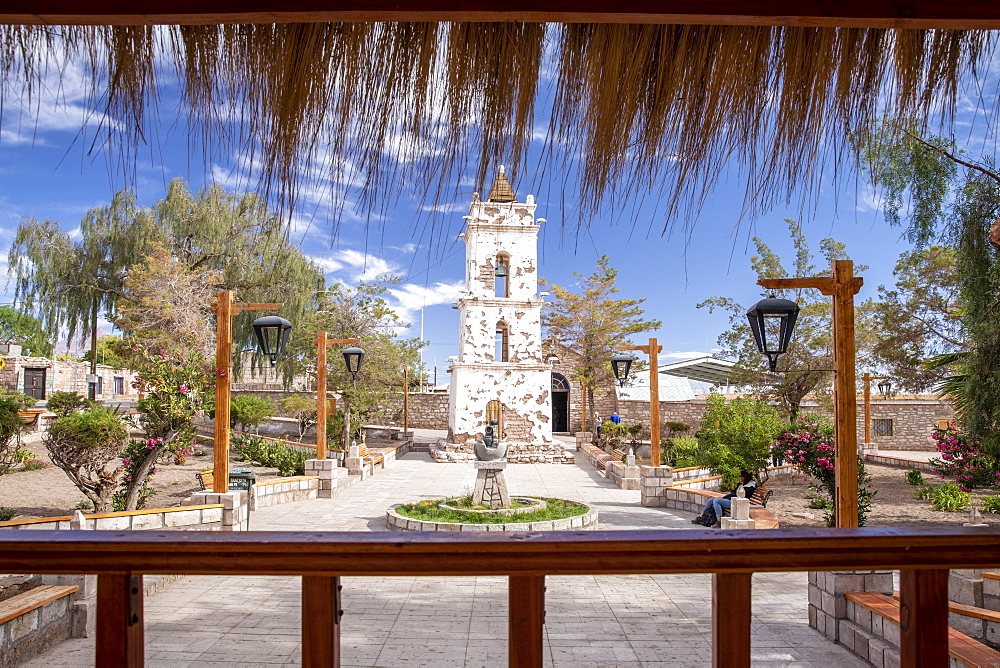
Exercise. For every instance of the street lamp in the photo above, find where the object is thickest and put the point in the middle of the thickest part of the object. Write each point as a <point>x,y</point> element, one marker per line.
<point>225,308</point>
<point>272,335</point>
<point>353,357</point>
<point>885,388</point>
<point>842,285</point>
<point>785,311</point>
<point>621,364</point>
<point>322,343</point>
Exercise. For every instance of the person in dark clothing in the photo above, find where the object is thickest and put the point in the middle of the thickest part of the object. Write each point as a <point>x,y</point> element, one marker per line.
<point>715,506</point>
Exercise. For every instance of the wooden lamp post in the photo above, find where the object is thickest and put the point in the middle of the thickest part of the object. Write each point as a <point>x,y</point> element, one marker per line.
<point>653,351</point>
<point>406,399</point>
<point>867,379</point>
<point>841,285</point>
<point>225,308</point>
<point>322,343</point>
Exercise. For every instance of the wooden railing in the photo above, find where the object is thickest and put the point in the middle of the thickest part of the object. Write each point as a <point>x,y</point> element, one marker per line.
<point>120,558</point>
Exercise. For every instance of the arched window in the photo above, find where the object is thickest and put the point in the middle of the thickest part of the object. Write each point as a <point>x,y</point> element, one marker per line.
<point>501,280</point>
<point>559,383</point>
<point>502,351</point>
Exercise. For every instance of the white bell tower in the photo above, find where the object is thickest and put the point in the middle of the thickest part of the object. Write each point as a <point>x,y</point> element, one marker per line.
<point>500,342</point>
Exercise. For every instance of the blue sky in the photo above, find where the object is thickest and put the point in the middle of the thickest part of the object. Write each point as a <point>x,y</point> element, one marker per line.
<point>46,171</point>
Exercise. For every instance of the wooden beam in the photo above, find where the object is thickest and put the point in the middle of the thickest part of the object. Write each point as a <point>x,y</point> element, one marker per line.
<point>923,617</point>
<point>731,620</point>
<point>321,345</point>
<point>525,620</point>
<point>320,622</point>
<point>654,402</point>
<point>119,620</point>
<point>223,366</point>
<point>981,14</point>
<point>845,394</point>
<point>521,553</point>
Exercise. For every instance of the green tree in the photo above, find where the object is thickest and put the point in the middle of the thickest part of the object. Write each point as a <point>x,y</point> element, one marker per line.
<point>805,368</point>
<point>594,323</point>
<point>303,409</point>
<point>249,411</point>
<point>107,347</point>
<point>69,283</point>
<point>359,311</point>
<point>956,200</point>
<point>918,318</point>
<point>11,427</point>
<point>64,403</point>
<point>26,330</point>
<point>737,436</point>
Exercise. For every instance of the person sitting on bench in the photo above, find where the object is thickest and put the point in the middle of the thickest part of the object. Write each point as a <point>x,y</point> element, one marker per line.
<point>714,507</point>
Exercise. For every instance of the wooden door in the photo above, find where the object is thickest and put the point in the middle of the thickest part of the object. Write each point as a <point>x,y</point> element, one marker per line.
<point>34,383</point>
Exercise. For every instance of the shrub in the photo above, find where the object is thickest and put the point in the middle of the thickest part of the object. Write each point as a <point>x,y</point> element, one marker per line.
<point>991,504</point>
<point>82,445</point>
<point>675,427</point>
<point>681,451</point>
<point>962,460</point>
<point>7,514</point>
<point>84,504</point>
<point>808,444</point>
<point>34,465</point>
<point>11,427</point>
<point>949,497</point>
<point>249,411</point>
<point>737,435</point>
<point>914,477</point>
<point>64,403</point>
<point>270,453</point>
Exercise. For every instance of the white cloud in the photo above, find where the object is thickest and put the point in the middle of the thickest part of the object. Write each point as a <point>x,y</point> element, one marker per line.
<point>455,207</point>
<point>409,298</point>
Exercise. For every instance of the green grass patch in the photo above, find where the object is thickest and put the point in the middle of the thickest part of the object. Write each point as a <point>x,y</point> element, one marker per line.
<point>430,511</point>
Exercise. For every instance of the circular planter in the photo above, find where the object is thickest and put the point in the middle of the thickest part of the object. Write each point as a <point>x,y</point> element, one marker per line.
<point>533,504</point>
<point>584,522</point>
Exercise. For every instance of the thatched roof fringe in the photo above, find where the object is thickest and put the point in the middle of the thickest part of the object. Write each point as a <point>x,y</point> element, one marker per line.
<point>641,106</point>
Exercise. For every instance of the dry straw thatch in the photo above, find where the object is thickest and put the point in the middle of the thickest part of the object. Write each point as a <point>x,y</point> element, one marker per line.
<point>661,107</point>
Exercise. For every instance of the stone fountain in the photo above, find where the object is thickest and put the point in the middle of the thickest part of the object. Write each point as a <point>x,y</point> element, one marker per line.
<point>491,487</point>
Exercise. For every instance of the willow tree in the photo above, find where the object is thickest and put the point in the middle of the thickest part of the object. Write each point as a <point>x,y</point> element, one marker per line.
<point>69,284</point>
<point>937,193</point>
<point>594,323</point>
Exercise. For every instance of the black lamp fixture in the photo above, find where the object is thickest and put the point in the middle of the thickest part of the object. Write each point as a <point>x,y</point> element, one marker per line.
<point>272,335</point>
<point>885,388</point>
<point>353,357</point>
<point>621,364</point>
<point>786,312</point>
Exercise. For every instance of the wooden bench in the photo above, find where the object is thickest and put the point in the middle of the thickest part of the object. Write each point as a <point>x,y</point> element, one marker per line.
<point>618,455</point>
<point>365,453</point>
<point>758,498</point>
<point>967,610</point>
<point>961,647</point>
<point>16,606</point>
<point>31,417</point>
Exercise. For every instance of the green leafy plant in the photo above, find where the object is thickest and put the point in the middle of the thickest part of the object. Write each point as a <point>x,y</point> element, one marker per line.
<point>680,451</point>
<point>963,460</point>
<point>34,464</point>
<point>21,456</point>
<point>7,514</point>
<point>950,498</point>
<point>84,504</point>
<point>303,409</point>
<point>991,504</point>
<point>430,510</point>
<point>64,403</point>
<point>914,477</point>
<point>249,411</point>
<point>270,453</point>
<point>925,494</point>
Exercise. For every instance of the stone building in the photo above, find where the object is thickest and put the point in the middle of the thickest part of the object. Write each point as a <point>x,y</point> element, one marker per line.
<point>39,377</point>
<point>500,373</point>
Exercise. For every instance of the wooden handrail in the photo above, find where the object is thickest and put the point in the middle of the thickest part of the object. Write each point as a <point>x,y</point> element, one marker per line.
<point>119,558</point>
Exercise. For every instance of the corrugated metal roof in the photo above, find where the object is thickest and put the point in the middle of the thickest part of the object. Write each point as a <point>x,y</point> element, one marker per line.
<point>672,388</point>
<point>706,369</point>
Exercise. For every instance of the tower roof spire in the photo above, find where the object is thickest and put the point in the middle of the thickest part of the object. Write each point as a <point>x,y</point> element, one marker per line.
<point>501,190</point>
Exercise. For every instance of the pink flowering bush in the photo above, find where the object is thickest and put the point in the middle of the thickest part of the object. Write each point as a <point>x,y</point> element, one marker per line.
<point>808,444</point>
<point>963,461</point>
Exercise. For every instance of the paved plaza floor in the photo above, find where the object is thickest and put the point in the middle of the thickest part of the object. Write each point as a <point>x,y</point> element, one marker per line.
<point>634,620</point>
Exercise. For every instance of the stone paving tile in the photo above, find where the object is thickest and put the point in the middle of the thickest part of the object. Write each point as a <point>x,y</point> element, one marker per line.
<point>634,620</point>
